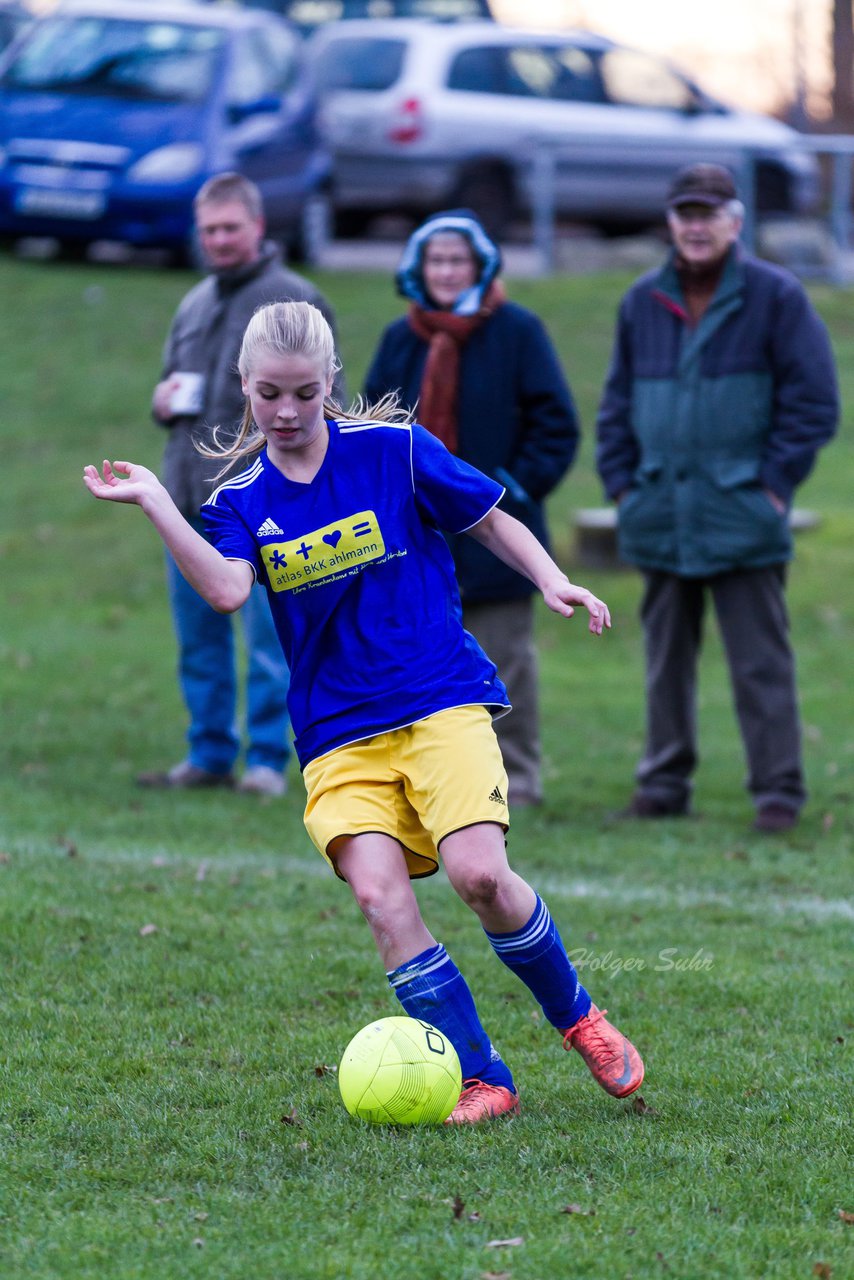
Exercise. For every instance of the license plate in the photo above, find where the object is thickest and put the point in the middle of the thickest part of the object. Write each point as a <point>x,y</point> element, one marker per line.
<point>85,205</point>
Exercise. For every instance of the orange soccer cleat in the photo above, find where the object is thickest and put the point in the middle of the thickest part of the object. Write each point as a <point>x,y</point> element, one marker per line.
<point>479,1101</point>
<point>613,1060</point>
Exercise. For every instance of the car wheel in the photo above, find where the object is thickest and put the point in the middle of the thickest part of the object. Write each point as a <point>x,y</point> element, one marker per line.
<point>773,194</point>
<point>488,192</point>
<point>313,231</point>
<point>72,250</point>
<point>352,223</point>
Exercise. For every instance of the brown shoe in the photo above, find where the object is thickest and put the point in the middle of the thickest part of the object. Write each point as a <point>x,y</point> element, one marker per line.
<point>185,775</point>
<point>641,806</point>
<point>772,818</point>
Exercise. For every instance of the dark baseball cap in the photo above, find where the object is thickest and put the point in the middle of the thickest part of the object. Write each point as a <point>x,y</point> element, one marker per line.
<point>708,184</point>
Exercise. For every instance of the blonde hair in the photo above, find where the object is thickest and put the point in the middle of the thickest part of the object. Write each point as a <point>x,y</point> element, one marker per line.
<point>285,329</point>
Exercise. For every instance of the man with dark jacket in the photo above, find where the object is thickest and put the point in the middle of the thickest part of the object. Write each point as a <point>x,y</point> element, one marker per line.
<point>722,388</point>
<point>199,391</point>
<point>482,374</point>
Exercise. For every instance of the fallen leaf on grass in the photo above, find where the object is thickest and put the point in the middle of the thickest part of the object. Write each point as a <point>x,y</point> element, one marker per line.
<point>147,930</point>
<point>322,1070</point>
<point>642,1108</point>
<point>505,1244</point>
<point>458,1207</point>
<point>576,1208</point>
<point>495,1275</point>
<point>846,1216</point>
<point>201,1217</point>
<point>823,1269</point>
<point>292,1118</point>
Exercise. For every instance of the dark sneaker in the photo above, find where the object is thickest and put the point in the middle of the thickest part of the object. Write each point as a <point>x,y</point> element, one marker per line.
<point>775,817</point>
<point>185,775</point>
<point>641,806</point>
<point>479,1101</point>
<point>614,1062</point>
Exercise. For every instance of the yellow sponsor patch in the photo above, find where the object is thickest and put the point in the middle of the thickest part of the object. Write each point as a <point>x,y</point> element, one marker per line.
<point>333,549</point>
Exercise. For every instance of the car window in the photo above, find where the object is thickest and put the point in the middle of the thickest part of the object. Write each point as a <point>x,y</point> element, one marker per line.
<point>283,52</point>
<point>634,79</point>
<point>164,61</point>
<point>247,75</point>
<point>368,65</point>
<point>554,72</point>
<point>314,13</point>
<point>263,64</point>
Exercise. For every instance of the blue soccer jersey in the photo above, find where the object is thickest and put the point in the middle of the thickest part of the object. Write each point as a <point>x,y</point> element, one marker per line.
<point>360,579</point>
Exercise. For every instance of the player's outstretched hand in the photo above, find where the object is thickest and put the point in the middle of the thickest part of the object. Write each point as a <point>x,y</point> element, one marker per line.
<point>562,594</point>
<point>121,482</point>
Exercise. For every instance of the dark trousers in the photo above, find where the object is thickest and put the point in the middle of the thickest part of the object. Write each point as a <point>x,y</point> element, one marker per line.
<point>505,631</point>
<point>751,613</point>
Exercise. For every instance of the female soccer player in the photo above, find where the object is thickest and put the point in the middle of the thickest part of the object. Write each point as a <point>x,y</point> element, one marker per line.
<point>391,700</point>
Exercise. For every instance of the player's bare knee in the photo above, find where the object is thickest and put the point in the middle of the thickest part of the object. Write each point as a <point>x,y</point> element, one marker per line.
<point>479,890</point>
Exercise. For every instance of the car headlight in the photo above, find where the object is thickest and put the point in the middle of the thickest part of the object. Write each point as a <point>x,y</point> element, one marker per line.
<point>168,164</point>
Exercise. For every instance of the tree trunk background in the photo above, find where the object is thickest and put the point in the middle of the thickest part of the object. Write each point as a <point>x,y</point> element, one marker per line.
<point>843,65</point>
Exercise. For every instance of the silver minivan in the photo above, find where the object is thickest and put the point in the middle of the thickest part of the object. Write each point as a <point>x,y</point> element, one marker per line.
<point>422,116</point>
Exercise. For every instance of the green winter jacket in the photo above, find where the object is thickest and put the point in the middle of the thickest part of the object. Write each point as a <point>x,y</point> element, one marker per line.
<point>697,422</point>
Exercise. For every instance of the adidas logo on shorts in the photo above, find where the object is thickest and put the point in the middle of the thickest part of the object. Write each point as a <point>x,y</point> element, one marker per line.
<point>496,796</point>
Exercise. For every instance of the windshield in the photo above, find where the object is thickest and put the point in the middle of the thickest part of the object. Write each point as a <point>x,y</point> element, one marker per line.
<point>158,61</point>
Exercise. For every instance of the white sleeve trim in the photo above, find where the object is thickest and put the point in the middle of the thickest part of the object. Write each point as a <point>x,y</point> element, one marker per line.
<point>485,514</point>
<point>243,560</point>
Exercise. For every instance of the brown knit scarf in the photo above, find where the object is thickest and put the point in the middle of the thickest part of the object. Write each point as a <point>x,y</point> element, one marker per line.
<point>446,334</point>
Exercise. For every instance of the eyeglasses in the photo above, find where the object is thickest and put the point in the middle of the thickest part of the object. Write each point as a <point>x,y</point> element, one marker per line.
<point>699,213</point>
<point>457,260</point>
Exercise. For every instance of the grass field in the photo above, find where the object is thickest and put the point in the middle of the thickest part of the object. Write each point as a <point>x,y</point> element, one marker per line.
<point>181,973</point>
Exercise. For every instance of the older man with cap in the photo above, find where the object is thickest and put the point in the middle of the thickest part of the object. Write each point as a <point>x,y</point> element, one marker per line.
<point>721,390</point>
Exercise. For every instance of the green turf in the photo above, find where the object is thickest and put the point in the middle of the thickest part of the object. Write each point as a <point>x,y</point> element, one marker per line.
<point>168,1101</point>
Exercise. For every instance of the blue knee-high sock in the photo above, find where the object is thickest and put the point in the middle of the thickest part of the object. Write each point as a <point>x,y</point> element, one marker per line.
<point>431,987</point>
<point>536,954</point>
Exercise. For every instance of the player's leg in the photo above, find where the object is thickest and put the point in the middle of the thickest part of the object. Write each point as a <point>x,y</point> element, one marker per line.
<point>360,819</point>
<point>422,975</point>
<point>456,783</point>
<point>523,935</point>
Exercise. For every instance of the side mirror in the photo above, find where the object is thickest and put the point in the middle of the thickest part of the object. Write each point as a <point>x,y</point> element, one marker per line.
<point>269,104</point>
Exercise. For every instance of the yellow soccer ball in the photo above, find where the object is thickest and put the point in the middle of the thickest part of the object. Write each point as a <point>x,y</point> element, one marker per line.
<point>400,1071</point>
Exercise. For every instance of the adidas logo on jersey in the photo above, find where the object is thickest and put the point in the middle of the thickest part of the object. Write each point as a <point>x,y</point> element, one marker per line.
<point>270,529</point>
<point>496,796</point>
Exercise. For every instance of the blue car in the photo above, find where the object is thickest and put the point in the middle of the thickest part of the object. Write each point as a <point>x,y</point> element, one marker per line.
<point>113,115</point>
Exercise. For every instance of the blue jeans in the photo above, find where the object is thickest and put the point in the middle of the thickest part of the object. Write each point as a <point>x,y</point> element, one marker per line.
<point>207,674</point>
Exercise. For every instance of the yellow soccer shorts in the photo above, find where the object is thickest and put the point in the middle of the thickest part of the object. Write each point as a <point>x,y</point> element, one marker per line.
<point>417,784</point>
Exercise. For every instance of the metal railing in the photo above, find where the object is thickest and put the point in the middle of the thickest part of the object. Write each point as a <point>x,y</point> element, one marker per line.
<point>835,209</point>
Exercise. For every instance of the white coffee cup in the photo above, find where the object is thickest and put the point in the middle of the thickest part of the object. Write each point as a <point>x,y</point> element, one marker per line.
<point>187,395</point>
